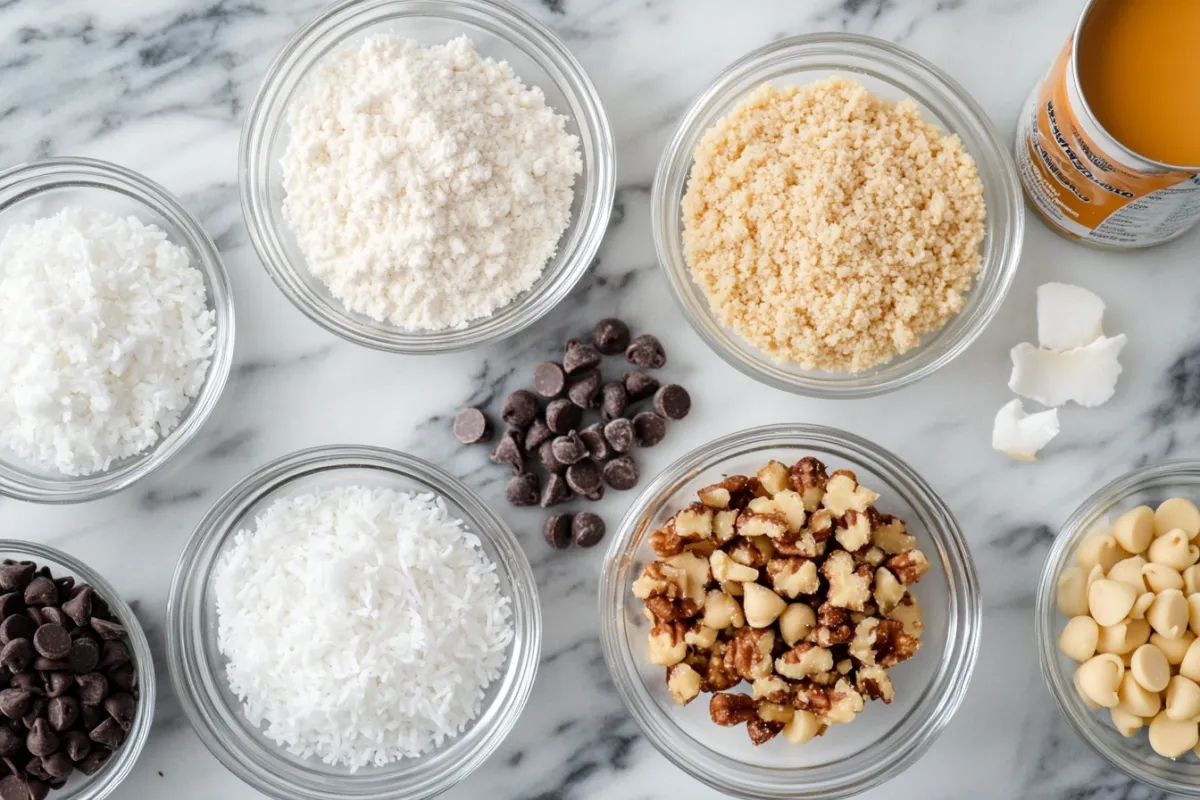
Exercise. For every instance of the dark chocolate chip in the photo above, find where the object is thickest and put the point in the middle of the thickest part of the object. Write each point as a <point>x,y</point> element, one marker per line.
<point>76,744</point>
<point>585,390</point>
<point>610,336</point>
<point>639,386</point>
<point>584,477</point>
<point>58,764</point>
<point>647,352</point>
<point>63,711</point>
<point>52,641</point>
<point>94,761</point>
<point>520,409</point>
<point>123,677</point>
<point>79,607</point>
<point>107,629</point>
<point>59,683</point>
<point>65,584</point>
<point>85,655</point>
<point>41,741</point>
<point>507,451</point>
<point>37,709</point>
<point>17,655</point>
<point>14,703</point>
<point>107,733</point>
<point>596,495</point>
<point>43,664</point>
<point>121,707</point>
<point>523,490</point>
<point>15,576</point>
<point>563,416</point>
<point>593,439</point>
<point>538,432</point>
<point>14,787</point>
<point>556,492</point>
<point>29,681</point>
<point>549,379</point>
<point>18,626</point>
<point>649,429</point>
<point>613,400</point>
<point>547,460</point>
<point>471,426</point>
<point>11,603</point>
<point>93,688</point>
<point>92,715</point>
<point>569,449</point>
<point>9,742</point>
<point>114,654</point>
<point>672,401</point>
<point>619,434</point>
<point>579,357</point>
<point>35,614</point>
<point>41,591</point>
<point>53,615</point>
<point>621,473</point>
<point>38,790</point>
<point>36,768</point>
<point>557,531</point>
<point>587,529</point>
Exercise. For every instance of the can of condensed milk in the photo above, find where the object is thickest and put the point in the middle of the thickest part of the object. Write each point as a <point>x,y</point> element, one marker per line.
<point>1108,145</point>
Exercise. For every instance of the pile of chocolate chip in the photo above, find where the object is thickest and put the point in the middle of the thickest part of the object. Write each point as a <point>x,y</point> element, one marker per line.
<point>578,459</point>
<point>72,688</point>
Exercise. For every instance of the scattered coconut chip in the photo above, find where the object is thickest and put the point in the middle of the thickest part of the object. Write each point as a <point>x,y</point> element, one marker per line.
<point>1019,435</point>
<point>1084,375</point>
<point>1068,316</point>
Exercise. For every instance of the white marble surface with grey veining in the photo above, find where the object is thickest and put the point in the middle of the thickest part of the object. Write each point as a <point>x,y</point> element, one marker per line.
<point>161,86</point>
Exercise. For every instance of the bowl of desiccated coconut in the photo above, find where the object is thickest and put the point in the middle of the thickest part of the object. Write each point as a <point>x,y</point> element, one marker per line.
<point>837,217</point>
<point>116,329</point>
<point>424,176</point>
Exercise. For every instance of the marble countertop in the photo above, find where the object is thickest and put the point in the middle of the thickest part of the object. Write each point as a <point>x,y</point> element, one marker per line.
<point>161,86</point>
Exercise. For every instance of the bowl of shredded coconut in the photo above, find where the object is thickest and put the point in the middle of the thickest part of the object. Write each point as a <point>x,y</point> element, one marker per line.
<point>116,329</point>
<point>423,176</point>
<point>836,216</point>
<point>352,622</point>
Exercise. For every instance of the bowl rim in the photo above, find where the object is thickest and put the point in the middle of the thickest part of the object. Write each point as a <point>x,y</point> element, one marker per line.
<point>1046,614</point>
<point>272,775</point>
<point>54,173</point>
<point>597,186</point>
<point>953,675</point>
<point>119,767</point>
<point>1006,221</point>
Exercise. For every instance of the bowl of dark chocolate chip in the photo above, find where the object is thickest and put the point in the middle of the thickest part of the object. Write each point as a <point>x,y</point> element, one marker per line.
<point>574,432</point>
<point>78,681</point>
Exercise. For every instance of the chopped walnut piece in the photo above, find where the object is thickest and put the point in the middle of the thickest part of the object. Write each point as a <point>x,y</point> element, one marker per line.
<point>667,646</point>
<point>790,506</point>
<point>693,575</point>
<point>833,626</point>
<point>761,505</point>
<point>724,568</point>
<point>808,478</point>
<point>755,552</point>
<point>748,652</point>
<point>844,666</point>
<point>908,614</point>
<point>693,523</point>
<point>731,709</point>
<point>701,636</point>
<point>714,676</point>
<point>775,712</point>
<point>772,688</point>
<point>667,610</point>
<point>845,703</point>
<point>862,647</point>
<point>811,697</point>
<point>792,577</point>
<point>875,683</point>
<point>724,526</point>
<point>849,584</point>
<point>909,567</point>
<point>722,611</point>
<point>892,644</point>
<point>854,532</point>
<point>872,555</point>
<point>771,525</point>
<point>888,590</point>
<point>665,543</point>
<point>843,494</point>
<point>891,536</point>
<point>683,683</point>
<point>773,477</point>
<point>802,545</point>
<point>762,731</point>
<point>803,661</point>
<point>820,525</point>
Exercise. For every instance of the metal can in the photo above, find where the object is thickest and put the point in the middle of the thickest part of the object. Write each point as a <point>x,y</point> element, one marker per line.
<point>1082,181</point>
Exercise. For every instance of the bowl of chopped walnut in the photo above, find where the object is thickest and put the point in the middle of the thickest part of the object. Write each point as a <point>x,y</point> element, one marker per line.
<point>790,611</point>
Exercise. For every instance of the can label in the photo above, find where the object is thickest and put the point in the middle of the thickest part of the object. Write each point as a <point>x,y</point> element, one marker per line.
<point>1086,184</point>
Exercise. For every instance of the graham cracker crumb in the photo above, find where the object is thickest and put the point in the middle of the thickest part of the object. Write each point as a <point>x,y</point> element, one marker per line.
<point>831,227</point>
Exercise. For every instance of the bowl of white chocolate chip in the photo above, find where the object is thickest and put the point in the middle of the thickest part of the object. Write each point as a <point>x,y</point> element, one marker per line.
<point>790,611</point>
<point>1118,615</point>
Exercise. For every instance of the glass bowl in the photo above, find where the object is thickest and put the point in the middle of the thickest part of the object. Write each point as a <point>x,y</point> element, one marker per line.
<point>891,72</point>
<point>198,668</point>
<point>43,188</point>
<point>500,31</point>
<point>106,781</point>
<point>884,739</point>
<point>1133,756</point>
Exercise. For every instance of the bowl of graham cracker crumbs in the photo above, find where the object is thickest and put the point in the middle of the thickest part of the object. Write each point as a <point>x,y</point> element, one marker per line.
<point>837,217</point>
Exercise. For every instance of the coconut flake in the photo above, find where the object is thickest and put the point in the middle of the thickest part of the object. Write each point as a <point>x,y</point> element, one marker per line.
<point>1084,375</point>
<point>1068,316</point>
<point>1019,435</point>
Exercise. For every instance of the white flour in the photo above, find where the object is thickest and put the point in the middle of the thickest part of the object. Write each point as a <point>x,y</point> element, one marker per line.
<point>426,186</point>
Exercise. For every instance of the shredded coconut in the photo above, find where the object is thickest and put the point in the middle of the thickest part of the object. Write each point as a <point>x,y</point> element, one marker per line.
<point>426,186</point>
<point>105,335</point>
<point>361,625</point>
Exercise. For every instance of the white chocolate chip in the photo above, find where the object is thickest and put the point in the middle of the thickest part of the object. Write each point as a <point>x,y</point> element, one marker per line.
<point>1191,580</point>
<point>1140,605</point>
<point>803,728</point>
<point>1173,649</point>
<point>1150,668</point>
<point>1136,699</point>
<point>1113,639</point>
<point>1174,550</point>
<point>1183,699</point>
<point>1072,592</point>
<point>1109,602</point>
<point>1079,637</point>
<point>1134,530</point>
<point>1099,678</point>
<point>1168,614</point>
<point>1087,701</point>
<point>1193,602</point>
<point>1172,738</point>
<point>722,611</point>
<point>796,622</point>
<point>1189,667</point>
<point>1129,570</point>
<point>1102,549</point>
<point>1178,513</point>
<point>761,605</point>
<point>1160,578</point>
<point>1126,724</point>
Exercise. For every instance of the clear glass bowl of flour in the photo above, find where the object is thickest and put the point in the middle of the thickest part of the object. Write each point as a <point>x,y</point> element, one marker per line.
<point>43,188</point>
<point>197,666</point>
<point>499,31</point>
